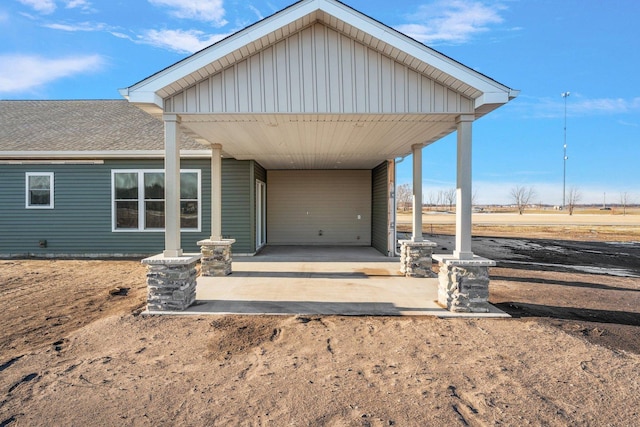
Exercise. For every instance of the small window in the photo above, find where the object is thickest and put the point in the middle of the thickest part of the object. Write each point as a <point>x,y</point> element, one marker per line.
<point>39,190</point>
<point>139,199</point>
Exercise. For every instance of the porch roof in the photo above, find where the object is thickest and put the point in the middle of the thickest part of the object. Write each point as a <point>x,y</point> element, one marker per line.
<point>318,85</point>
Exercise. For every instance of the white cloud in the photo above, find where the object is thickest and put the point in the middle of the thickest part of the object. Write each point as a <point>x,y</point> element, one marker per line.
<point>42,6</point>
<point>451,21</point>
<point>606,105</point>
<point>201,10</point>
<point>180,41</point>
<point>82,4</point>
<point>81,26</point>
<point>577,106</point>
<point>20,73</point>
<point>255,10</point>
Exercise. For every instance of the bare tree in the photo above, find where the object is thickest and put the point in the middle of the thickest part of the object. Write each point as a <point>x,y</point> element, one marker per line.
<point>404,196</point>
<point>521,197</point>
<point>432,199</point>
<point>573,197</point>
<point>450,197</point>
<point>624,201</point>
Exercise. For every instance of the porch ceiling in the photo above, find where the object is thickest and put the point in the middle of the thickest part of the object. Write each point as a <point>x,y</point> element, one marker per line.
<point>317,141</point>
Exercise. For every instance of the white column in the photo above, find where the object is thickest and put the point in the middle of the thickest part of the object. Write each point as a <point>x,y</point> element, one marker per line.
<point>417,193</point>
<point>391,208</point>
<point>172,186</point>
<point>463,190</point>
<point>216,192</point>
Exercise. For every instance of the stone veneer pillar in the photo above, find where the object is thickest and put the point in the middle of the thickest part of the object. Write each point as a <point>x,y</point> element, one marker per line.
<point>171,282</point>
<point>415,258</point>
<point>463,284</point>
<point>216,257</point>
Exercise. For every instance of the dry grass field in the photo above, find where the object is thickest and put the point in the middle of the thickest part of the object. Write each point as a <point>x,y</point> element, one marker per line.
<point>75,351</point>
<point>586,225</point>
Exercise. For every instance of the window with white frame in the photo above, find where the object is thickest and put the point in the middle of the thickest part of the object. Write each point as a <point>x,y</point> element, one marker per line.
<point>39,190</point>
<point>138,200</point>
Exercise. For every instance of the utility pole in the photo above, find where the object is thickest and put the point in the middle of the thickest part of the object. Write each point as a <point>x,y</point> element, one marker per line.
<point>564,95</point>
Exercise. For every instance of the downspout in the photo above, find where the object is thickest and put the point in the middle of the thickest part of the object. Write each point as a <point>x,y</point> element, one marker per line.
<point>395,203</point>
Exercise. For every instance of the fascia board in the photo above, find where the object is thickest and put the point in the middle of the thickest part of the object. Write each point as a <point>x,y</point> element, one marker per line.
<point>116,154</point>
<point>147,101</point>
<point>491,98</point>
<point>222,48</point>
<point>144,92</point>
<point>413,48</point>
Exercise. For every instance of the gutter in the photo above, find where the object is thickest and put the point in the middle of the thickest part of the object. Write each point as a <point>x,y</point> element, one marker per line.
<point>103,155</point>
<point>395,202</point>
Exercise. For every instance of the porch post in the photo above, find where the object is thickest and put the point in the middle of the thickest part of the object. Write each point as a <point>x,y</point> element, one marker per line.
<point>415,254</point>
<point>216,252</point>
<point>172,186</point>
<point>417,193</point>
<point>463,190</point>
<point>216,192</point>
<point>463,279</point>
<point>171,275</point>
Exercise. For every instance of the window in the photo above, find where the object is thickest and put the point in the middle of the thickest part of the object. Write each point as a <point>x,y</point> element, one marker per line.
<point>39,190</point>
<point>138,200</point>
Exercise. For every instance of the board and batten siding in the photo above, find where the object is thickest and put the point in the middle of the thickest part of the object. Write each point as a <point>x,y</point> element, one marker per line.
<point>319,207</point>
<point>318,70</point>
<point>80,224</point>
<point>379,208</point>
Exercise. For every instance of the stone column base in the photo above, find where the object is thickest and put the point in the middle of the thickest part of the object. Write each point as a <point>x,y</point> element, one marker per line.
<point>415,258</point>
<point>171,282</point>
<point>463,284</point>
<point>216,257</point>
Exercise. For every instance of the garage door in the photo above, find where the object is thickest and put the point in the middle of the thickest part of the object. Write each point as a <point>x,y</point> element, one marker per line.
<point>319,207</point>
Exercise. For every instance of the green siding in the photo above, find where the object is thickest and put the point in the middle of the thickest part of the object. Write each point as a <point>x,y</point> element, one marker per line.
<point>236,204</point>
<point>260,172</point>
<point>80,224</point>
<point>379,207</point>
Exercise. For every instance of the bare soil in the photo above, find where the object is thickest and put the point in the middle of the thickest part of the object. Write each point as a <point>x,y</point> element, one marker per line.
<point>74,351</point>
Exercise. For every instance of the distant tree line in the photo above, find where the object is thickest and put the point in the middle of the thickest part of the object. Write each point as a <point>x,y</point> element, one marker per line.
<point>441,198</point>
<point>522,198</point>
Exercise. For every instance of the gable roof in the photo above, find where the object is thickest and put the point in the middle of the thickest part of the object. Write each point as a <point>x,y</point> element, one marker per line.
<point>487,93</point>
<point>96,128</point>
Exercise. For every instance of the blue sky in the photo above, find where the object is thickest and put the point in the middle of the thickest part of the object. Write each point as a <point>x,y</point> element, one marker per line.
<point>88,49</point>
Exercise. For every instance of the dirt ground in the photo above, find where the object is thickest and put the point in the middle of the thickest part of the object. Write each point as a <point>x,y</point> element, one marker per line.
<point>75,351</point>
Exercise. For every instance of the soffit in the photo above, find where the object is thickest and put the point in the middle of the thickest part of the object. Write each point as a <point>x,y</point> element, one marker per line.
<point>317,141</point>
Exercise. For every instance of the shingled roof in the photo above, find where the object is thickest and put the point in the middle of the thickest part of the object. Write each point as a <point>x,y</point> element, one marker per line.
<point>78,126</point>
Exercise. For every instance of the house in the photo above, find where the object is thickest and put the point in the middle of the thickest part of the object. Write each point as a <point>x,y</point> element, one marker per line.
<point>308,109</point>
<point>72,183</point>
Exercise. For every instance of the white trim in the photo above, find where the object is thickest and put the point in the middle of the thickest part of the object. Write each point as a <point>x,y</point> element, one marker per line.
<point>261,214</point>
<point>144,93</point>
<point>141,209</point>
<point>27,156</point>
<point>27,204</point>
<point>51,162</point>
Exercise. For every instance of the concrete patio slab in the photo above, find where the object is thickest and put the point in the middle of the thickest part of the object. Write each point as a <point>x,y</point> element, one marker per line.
<point>320,281</point>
